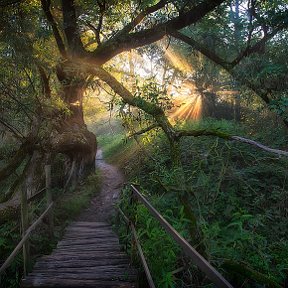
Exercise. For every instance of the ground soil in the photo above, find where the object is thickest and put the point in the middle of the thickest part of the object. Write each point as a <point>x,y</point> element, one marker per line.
<point>102,205</point>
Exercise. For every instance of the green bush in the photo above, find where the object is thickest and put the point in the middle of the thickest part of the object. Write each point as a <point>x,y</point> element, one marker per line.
<point>238,194</point>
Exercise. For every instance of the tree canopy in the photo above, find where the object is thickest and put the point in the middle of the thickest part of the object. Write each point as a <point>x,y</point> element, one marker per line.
<point>141,55</point>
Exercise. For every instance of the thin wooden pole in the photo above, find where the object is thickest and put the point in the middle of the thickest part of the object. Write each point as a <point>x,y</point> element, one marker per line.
<point>49,199</point>
<point>24,225</point>
<point>142,257</point>
<point>197,259</point>
<point>23,240</point>
<point>140,251</point>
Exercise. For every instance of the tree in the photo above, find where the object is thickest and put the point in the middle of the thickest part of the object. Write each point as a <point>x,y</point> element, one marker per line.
<point>246,53</point>
<point>76,64</point>
<point>85,37</point>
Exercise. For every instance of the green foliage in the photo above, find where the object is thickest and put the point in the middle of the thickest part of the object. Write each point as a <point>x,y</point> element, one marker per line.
<point>160,250</point>
<point>280,106</point>
<point>111,144</point>
<point>9,237</point>
<point>151,91</point>
<point>71,204</point>
<point>237,193</point>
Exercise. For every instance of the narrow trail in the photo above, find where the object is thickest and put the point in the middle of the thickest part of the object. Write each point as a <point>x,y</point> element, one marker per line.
<point>102,205</point>
<point>89,255</point>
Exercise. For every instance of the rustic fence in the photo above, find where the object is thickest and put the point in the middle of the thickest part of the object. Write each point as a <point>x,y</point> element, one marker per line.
<point>195,257</point>
<point>25,228</point>
<point>188,250</point>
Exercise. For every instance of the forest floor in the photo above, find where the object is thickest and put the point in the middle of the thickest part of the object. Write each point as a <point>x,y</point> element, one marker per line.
<point>101,207</point>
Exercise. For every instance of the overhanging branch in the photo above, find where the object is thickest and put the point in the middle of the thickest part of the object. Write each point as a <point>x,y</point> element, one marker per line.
<point>125,94</point>
<point>12,129</point>
<point>223,63</point>
<point>226,136</point>
<point>202,49</point>
<point>144,130</point>
<point>128,41</point>
<point>46,8</point>
<point>257,46</point>
<point>259,145</point>
<point>139,18</point>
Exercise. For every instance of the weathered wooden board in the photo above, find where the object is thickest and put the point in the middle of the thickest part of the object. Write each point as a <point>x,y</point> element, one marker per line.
<point>67,283</point>
<point>89,255</point>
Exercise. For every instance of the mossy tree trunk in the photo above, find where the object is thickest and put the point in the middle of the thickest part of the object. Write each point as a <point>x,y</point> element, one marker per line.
<point>72,137</point>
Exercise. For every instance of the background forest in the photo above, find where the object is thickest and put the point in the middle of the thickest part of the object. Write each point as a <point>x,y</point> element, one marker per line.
<point>188,98</point>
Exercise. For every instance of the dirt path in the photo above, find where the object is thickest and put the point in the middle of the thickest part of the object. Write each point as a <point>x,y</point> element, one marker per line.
<point>101,207</point>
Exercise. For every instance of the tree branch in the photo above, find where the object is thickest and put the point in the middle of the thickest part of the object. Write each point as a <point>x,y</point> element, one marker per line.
<point>259,145</point>
<point>71,30</point>
<point>202,132</point>
<point>162,121</point>
<point>12,129</point>
<point>257,46</point>
<point>224,64</point>
<point>46,8</point>
<point>142,131</point>
<point>91,26</point>
<point>226,136</point>
<point>138,19</point>
<point>128,41</point>
<point>138,102</point>
<point>125,94</point>
<point>202,49</point>
<point>97,31</point>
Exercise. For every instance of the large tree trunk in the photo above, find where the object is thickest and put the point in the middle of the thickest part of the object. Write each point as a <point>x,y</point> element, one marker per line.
<point>73,138</point>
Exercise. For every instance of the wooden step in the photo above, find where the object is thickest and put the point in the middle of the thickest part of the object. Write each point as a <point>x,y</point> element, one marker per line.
<point>89,255</point>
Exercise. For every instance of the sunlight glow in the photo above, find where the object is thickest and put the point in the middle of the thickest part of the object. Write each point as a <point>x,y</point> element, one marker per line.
<point>189,110</point>
<point>76,103</point>
<point>187,100</point>
<point>177,60</point>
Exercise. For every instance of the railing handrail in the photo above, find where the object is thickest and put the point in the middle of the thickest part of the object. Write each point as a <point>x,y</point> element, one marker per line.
<point>26,230</point>
<point>198,259</point>
<point>24,239</point>
<point>35,195</point>
<point>140,251</point>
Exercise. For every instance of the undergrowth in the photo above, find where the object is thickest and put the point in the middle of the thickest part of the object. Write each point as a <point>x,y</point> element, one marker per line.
<point>239,195</point>
<point>67,206</point>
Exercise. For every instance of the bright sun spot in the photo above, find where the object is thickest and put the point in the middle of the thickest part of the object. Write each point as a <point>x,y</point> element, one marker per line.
<point>187,100</point>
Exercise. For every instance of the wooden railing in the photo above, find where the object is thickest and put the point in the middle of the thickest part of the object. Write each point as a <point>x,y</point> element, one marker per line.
<point>139,248</point>
<point>196,258</point>
<point>26,230</point>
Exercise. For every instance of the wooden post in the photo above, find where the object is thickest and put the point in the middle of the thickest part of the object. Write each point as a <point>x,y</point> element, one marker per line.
<point>49,199</point>
<point>24,224</point>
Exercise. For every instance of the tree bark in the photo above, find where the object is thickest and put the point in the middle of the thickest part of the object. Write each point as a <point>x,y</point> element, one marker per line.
<point>73,138</point>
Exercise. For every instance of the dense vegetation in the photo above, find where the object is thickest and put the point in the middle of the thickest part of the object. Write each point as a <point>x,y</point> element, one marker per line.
<point>188,98</point>
<point>238,196</point>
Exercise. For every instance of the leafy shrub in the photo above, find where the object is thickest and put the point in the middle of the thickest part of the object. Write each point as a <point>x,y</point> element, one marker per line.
<point>239,195</point>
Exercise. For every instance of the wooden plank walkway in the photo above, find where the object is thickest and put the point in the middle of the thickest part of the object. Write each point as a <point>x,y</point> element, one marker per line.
<point>89,255</point>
